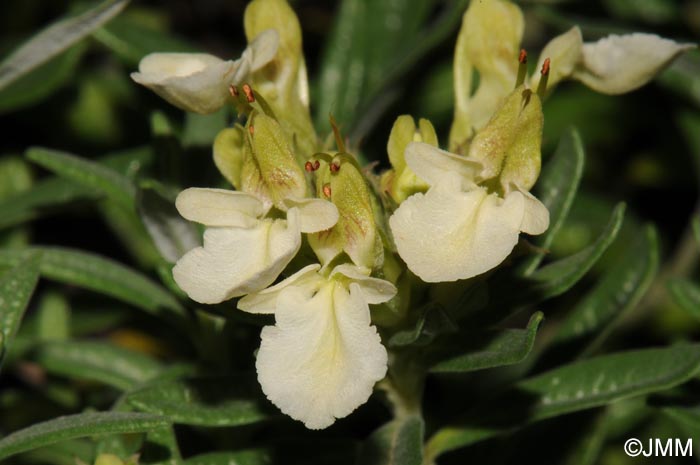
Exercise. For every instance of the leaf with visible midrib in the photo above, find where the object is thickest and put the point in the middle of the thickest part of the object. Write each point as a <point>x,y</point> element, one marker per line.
<point>399,442</point>
<point>76,426</point>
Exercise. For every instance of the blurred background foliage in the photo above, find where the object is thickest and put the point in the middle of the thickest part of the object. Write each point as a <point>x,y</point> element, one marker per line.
<point>369,61</point>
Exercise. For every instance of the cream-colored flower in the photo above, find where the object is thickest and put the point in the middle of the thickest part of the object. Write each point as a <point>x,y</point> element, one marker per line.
<point>243,251</point>
<point>199,82</point>
<point>322,358</point>
<point>458,229</point>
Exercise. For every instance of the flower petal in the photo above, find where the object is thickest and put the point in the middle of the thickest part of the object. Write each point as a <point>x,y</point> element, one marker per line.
<point>265,301</point>
<point>219,207</point>
<point>237,261</point>
<point>445,235</point>
<point>195,82</point>
<point>316,214</point>
<point>374,290</point>
<point>322,358</point>
<point>439,166</point>
<point>564,53</point>
<point>262,49</point>
<point>536,218</point>
<point>622,63</point>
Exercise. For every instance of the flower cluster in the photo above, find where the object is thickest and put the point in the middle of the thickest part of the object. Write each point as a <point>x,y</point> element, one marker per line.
<point>449,215</point>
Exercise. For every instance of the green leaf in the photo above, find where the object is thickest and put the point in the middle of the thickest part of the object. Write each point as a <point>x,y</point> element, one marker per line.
<point>617,293</point>
<point>56,38</point>
<point>172,235</point>
<point>399,442</point>
<point>88,173</point>
<point>557,188</point>
<point>558,277</point>
<point>433,321</point>
<point>495,349</point>
<point>98,274</point>
<point>686,294</point>
<point>16,288</point>
<point>53,317</point>
<point>131,40</point>
<point>696,229</point>
<point>76,426</point>
<point>99,361</point>
<point>245,457</point>
<point>225,401</point>
<point>570,388</point>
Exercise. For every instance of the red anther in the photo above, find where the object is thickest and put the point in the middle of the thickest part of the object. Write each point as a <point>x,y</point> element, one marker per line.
<point>545,67</point>
<point>233,90</point>
<point>251,129</point>
<point>308,166</point>
<point>522,58</point>
<point>327,190</point>
<point>335,167</point>
<point>248,93</point>
<point>317,165</point>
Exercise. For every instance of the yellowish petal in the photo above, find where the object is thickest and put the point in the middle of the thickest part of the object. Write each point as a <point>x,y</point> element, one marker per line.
<point>219,207</point>
<point>437,166</point>
<point>564,53</point>
<point>316,214</point>
<point>265,301</point>
<point>374,290</point>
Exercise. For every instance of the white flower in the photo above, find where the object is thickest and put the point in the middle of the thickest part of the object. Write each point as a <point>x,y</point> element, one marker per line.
<point>322,358</point>
<point>243,250</point>
<point>457,229</point>
<point>199,82</point>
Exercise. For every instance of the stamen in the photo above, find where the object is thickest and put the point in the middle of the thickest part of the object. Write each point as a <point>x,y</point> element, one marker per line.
<point>522,68</point>
<point>248,93</point>
<point>317,165</point>
<point>542,86</point>
<point>233,90</point>
<point>327,190</point>
<point>335,167</point>
<point>336,132</point>
<point>308,166</point>
<point>251,129</point>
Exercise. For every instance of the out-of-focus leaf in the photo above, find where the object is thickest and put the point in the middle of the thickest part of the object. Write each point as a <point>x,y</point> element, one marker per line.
<point>495,349</point>
<point>158,441</point>
<point>432,322</point>
<point>131,40</point>
<point>77,426</point>
<point>557,188</point>
<point>200,130</point>
<point>686,294</point>
<point>570,388</point>
<point>244,457</point>
<point>16,288</point>
<point>172,235</point>
<point>229,401</point>
<point>616,293</point>
<point>88,173</point>
<point>696,229</point>
<point>399,442</point>
<point>53,317</point>
<point>682,76</point>
<point>62,453</point>
<point>651,11</point>
<point>15,176</point>
<point>98,274</point>
<point>127,226</point>
<point>99,361</point>
<point>558,277</point>
<point>56,38</point>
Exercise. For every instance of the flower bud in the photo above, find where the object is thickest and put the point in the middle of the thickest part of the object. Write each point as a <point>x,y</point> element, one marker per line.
<point>509,146</point>
<point>229,154</point>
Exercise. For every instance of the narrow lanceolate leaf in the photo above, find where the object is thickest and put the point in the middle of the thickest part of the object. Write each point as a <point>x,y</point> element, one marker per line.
<point>495,349</point>
<point>558,277</point>
<point>578,386</point>
<point>226,401</point>
<point>98,274</point>
<point>87,173</point>
<point>76,426</point>
<point>617,292</point>
<point>55,39</point>
<point>432,322</point>
<point>399,442</point>
<point>556,188</point>
<point>99,361</point>
<point>245,457</point>
<point>686,294</point>
<point>16,288</point>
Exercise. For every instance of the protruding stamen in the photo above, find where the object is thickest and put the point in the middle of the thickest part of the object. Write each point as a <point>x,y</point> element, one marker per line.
<point>308,166</point>
<point>327,190</point>
<point>522,68</point>
<point>336,133</point>
<point>317,165</point>
<point>233,90</point>
<point>335,167</point>
<point>542,86</point>
<point>251,129</point>
<point>248,91</point>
